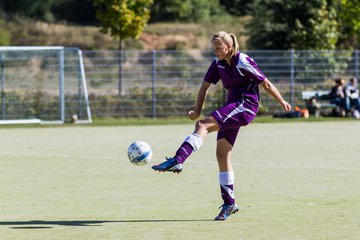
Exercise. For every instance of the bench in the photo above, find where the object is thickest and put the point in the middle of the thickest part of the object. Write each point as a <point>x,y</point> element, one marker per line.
<point>321,102</point>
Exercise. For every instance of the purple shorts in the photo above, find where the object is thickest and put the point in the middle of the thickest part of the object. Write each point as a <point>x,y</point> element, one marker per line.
<point>230,118</point>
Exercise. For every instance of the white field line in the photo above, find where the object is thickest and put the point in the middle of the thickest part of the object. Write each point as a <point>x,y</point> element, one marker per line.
<point>59,155</point>
<point>103,157</point>
<point>298,166</point>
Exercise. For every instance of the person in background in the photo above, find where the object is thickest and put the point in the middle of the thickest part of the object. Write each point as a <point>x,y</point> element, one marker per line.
<point>352,96</point>
<point>314,106</point>
<point>337,97</point>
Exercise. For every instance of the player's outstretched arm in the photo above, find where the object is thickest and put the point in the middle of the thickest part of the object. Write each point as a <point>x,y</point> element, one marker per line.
<point>272,91</point>
<point>194,114</point>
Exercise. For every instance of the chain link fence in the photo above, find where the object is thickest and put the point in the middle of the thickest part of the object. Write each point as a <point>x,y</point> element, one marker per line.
<point>165,83</point>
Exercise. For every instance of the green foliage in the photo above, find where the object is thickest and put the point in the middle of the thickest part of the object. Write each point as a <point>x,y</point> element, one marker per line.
<point>304,25</point>
<point>5,35</point>
<point>136,102</point>
<point>237,7</point>
<point>68,10</point>
<point>187,11</point>
<point>350,15</point>
<point>36,9</point>
<point>5,38</point>
<point>310,65</point>
<point>349,18</point>
<point>123,19</point>
<point>275,24</point>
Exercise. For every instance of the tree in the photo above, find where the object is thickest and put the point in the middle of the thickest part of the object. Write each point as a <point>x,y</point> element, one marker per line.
<point>68,10</point>
<point>349,18</point>
<point>187,11</point>
<point>278,24</point>
<point>123,19</point>
<point>237,7</point>
<point>37,9</point>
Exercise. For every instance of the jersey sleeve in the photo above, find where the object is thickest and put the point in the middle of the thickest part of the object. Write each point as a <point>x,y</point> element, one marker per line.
<point>212,75</point>
<point>248,67</point>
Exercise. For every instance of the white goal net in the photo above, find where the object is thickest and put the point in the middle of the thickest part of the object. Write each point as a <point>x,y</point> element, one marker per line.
<point>43,85</point>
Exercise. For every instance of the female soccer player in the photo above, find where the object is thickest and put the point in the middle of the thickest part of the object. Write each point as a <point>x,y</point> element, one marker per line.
<point>241,77</point>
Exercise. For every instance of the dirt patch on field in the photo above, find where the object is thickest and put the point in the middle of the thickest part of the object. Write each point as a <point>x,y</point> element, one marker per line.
<point>159,36</point>
<point>172,42</point>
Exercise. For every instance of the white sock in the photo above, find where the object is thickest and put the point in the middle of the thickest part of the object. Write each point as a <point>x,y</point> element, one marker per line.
<point>226,178</point>
<point>194,140</point>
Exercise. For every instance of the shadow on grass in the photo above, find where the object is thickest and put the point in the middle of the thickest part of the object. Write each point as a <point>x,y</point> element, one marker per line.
<point>39,224</point>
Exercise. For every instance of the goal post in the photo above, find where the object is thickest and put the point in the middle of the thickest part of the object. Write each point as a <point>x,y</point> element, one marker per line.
<point>43,85</point>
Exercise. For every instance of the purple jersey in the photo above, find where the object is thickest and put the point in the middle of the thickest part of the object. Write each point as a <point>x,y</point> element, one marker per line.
<point>241,79</point>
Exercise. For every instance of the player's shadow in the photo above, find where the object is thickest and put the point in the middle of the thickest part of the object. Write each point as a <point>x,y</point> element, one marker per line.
<point>39,224</point>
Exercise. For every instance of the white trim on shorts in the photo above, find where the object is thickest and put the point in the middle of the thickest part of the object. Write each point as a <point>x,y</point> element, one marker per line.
<point>237,110</point>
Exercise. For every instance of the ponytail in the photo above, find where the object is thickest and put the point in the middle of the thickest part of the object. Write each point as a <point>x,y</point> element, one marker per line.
<point>235,43</point>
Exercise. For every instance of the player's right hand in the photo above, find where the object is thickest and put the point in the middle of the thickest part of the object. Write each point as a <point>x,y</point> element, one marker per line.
<point>286,106</point>
<point>193,115</point>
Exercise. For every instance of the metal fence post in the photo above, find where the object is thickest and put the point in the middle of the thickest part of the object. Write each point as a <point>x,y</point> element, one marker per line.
<point>292,73</point>
<point>356,63</point>
<point>153,83</point>
<point>61,86</point>
<point>2,88</point>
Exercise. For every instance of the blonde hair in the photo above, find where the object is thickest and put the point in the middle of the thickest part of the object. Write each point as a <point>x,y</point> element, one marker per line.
<point>229,39</point>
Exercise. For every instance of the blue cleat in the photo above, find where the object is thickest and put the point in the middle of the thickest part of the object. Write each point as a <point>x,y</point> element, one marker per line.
<point>170,165</point>
<point>226,211</point>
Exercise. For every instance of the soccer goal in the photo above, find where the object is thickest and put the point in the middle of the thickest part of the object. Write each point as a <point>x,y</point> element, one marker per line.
<point>43,85</point>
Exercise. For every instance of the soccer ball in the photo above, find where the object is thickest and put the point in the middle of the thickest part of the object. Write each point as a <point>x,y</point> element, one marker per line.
<point>139,153</point>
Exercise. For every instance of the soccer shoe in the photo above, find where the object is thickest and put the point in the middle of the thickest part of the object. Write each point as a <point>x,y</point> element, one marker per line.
<point>170,165</point>
<point>226,211</point>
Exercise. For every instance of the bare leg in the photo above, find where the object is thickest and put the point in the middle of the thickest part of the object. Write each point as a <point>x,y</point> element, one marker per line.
<point>205,126</point>
<point>226,178</point>
<point>190,145</point>
<point>193,142</point>
<point>223,155</point>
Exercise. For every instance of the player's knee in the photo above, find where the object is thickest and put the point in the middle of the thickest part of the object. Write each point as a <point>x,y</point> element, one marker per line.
<point>200,124</point>
<point>204,124</point>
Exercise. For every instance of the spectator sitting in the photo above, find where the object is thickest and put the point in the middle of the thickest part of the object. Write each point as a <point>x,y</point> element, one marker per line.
<point>313,105</point>
<point>337,97</point>
<point>352,96</point>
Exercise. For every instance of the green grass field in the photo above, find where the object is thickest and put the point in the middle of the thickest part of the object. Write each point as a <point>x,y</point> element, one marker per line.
<point>294,181</point>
